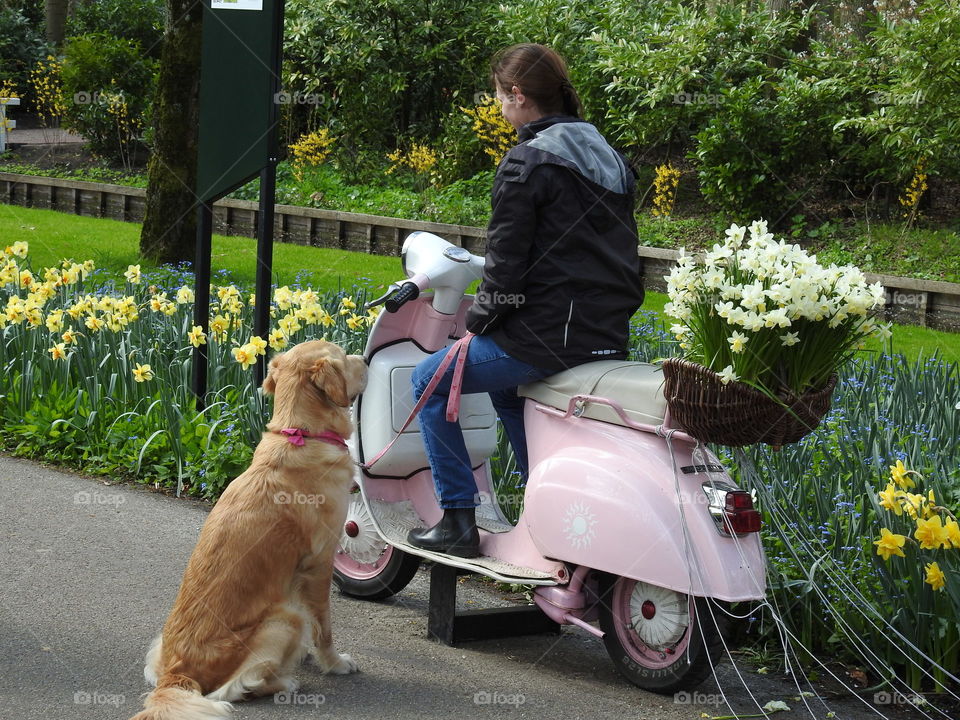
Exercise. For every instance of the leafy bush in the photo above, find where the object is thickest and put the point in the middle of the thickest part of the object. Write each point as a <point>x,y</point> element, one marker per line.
<point>107,87</point>
<point>22,45</point>
<point>141,21</point>
<point>915,99</point>
<point>382,70</point>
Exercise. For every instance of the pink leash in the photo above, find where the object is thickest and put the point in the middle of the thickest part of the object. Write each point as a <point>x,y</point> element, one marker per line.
<point>458,352</point>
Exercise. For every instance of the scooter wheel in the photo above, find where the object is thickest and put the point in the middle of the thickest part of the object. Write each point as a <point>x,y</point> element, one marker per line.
<point>364,565</point>
<point>659,639</point>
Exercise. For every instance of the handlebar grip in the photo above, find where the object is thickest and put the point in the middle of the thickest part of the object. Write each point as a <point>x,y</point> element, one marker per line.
<point>408,291</point>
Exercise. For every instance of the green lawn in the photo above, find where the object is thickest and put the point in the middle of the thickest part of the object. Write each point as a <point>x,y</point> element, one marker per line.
<point>114,245</point>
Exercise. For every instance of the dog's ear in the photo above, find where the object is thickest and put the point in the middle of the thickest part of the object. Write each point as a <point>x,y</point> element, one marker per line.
<point>327,374</point>
<point>270,381</point>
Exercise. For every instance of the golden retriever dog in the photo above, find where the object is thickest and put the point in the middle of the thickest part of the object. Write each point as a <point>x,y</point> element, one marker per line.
<point>255,597</point>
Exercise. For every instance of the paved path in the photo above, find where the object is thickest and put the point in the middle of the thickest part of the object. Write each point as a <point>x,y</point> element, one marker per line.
<point>42,136</point>
<point>89,572</point>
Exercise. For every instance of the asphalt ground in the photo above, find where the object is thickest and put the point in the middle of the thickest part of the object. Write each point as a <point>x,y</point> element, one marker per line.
<point>90,570</point>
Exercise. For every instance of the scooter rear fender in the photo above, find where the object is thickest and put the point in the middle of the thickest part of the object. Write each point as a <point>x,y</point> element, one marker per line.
<point>606,496</point>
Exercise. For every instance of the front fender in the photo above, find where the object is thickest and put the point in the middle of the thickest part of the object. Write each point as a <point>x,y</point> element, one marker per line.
<point>605,496</point>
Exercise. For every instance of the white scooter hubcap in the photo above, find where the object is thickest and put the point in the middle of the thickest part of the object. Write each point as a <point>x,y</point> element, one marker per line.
<point>366,546</point>
<point>659,616</point>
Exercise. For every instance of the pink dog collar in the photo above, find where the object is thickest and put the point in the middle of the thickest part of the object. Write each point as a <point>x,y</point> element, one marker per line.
<point>295,436</point>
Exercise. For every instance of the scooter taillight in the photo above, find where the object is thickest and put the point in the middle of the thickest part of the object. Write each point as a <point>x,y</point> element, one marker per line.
<point>731,509</point>
<point>739,513</point>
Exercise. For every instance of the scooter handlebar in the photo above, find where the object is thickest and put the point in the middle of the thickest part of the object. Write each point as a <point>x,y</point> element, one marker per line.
<point>408,291</point>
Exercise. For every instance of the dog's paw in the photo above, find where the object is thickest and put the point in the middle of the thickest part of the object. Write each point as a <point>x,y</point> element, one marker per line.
<point>344,665</point>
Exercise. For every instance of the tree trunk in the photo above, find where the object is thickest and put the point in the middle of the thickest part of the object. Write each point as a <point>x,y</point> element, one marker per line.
<point>170,223</point>
<point>56,12</point>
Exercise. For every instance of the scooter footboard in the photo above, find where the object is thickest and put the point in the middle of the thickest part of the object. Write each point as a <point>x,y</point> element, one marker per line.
<point>607,497</point>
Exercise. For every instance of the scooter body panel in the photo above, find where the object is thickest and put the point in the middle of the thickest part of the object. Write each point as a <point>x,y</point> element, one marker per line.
<point>606,496</point>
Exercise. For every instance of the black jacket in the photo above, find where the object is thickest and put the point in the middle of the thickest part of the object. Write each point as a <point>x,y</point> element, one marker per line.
<point>562,274</point>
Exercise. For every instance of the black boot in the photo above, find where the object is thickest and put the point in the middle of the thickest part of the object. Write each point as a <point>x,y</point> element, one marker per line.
<point>455,534</point>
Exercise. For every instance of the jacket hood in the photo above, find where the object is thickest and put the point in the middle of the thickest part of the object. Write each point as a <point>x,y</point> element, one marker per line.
<point>582,144</point>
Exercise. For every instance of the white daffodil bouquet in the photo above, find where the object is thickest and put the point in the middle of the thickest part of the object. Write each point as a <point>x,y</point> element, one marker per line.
<point>766,314</point>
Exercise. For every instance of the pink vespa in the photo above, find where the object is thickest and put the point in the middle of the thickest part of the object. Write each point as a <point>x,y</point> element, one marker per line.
<point>624,519</point>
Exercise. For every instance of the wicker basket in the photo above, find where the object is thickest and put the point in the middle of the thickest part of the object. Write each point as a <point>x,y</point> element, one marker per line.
<point>735,414</point>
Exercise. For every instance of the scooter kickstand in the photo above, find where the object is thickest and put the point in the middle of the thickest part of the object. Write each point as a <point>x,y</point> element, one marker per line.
<point>449,627</point>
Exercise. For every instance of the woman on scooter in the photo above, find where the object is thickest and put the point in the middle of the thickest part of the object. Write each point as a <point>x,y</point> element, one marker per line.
<point>560,283</point>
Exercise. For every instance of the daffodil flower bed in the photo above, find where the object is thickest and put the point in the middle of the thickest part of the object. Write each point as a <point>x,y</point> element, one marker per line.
<point>766,314</point>
<point>98,370</point>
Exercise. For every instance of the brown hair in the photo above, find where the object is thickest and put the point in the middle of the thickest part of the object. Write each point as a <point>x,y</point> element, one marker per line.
<point>540,73</point>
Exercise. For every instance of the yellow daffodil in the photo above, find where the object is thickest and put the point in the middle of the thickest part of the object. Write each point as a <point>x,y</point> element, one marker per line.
<point>953,533</point>
<point>197,336</point>
<point>20,249</point>
<point>71,275</point>
<point>889,544</point>
<point>69,337</point>
<point>373,313</point>
<point>931,533</point>
<point>58,351</point>
<point>33,315</point>
<point>289,324</point>
<point>157,301</point>
<point>278,341</point>
<point>133,274</point>
<point>901,476</point>
<point>88,267</point>
<point>246,355</point>
<point>219,326</point>
<point>889,499</point>
<point>94,323</point>
<point>259,345</point>
<point>184,295</point>
<point>914,504</point>
<point>935,577</point>
<point>347,305</point>
<point>355,322</point>
<point>26,279</point>
<point>142,373</point>
<point>168,308</point>
<point>52,275</point>
<point>283,297</point>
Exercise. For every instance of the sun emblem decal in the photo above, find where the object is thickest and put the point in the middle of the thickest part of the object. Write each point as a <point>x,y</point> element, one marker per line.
<point>578,525</point>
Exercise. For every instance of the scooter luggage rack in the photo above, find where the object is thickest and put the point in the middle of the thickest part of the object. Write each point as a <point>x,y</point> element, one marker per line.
<point>576,407</point>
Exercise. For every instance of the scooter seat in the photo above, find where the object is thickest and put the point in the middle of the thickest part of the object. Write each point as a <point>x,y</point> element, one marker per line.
<point>637,387</point>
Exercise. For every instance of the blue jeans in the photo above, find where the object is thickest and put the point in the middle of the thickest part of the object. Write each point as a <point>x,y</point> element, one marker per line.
<point>488,369</point>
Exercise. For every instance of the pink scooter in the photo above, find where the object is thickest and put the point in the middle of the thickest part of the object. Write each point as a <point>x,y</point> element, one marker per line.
<point>624,519</point>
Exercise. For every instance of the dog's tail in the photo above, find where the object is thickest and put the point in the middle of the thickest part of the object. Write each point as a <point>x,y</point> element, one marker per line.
<point>180,698</point>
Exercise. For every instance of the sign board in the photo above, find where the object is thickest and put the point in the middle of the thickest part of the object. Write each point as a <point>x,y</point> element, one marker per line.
<point>238,85</point>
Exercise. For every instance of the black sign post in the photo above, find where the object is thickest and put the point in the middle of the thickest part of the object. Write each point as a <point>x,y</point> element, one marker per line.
<point>239,87</point>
